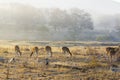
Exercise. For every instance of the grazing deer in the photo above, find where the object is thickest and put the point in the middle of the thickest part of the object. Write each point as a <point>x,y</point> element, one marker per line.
<point>112,52</point>
<point>17,50</point>
<point>66,49</point>
<point>34,50</point>
<point>48,51</point>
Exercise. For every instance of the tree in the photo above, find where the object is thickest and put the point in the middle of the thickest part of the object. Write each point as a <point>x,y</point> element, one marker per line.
<point>117,22</point>
<point>58,19</point>
<point>80,21</point>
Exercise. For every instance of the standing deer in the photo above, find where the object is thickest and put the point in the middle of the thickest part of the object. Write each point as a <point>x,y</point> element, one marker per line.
<point>17,50</point>
<point>48,51</point>
<point>34,50</point>
<point>112,52</point>
<point>66,49</point>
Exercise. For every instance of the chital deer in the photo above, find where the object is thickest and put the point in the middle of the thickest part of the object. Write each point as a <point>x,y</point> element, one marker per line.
<point>34,50</point>
<point>17,50</point>
<point>112,52</point>
<point>48,51</point>
<point>66,49</point>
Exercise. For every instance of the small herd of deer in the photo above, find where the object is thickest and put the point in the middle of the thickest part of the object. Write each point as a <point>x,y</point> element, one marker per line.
<point>111,51</point>
<point>35,50</point>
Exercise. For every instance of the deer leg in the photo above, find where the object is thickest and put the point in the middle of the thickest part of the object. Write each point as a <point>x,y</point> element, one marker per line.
<point>36,56</point>
<point>116,57</point>
<point>110,58</point>
<point>31,54</point>
<point>63,52</point>
<point>36,53</point>
<point>19,53</point>
<point>49,54</point>
<point>70,53</point>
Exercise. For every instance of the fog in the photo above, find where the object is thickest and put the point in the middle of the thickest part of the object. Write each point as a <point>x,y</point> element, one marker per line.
<point>81,20</point>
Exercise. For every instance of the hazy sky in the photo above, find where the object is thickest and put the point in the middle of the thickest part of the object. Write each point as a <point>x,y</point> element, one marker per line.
<point>99,6</point>
<point>117,0</point>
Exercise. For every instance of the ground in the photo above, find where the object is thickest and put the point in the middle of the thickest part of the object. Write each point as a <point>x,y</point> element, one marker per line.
<point>87,63</point>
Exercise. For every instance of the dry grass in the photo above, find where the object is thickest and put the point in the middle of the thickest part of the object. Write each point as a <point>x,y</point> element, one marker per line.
<point>87,63</point>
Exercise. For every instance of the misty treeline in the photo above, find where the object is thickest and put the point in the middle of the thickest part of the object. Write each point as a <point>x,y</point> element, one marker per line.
<point>111,28</point>
<point>24,22</point>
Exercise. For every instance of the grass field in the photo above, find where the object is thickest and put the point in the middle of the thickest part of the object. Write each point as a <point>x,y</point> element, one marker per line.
<point>87,63</point>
